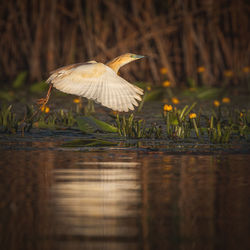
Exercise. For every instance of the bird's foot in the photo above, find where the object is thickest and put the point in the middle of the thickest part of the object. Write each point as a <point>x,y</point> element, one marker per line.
<point>42,101</point>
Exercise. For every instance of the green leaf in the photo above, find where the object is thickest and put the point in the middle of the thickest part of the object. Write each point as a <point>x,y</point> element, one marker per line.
<point>18,82</point>
<point>89,124</point>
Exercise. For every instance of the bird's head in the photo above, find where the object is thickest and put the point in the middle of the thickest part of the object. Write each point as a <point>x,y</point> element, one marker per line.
<point>120,61</point>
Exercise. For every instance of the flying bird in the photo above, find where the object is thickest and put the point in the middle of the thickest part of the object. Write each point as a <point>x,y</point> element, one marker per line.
<point>99,82</point>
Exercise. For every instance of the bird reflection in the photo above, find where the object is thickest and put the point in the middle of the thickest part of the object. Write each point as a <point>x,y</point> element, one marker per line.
<point>97,202</point>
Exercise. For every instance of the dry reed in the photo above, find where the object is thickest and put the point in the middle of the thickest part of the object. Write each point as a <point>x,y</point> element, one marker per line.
<point>39,36</point>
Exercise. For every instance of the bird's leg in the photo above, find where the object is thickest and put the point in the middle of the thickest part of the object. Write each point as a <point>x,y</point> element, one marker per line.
<point>43,101</point>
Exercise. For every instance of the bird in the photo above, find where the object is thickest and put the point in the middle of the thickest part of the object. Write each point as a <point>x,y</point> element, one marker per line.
<point>97,81</point>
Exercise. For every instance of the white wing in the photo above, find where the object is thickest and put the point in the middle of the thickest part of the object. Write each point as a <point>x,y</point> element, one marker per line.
<point>98,82</point>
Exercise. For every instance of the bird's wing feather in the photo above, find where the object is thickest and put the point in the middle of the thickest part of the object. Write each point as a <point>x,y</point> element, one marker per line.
<point>98,82</point>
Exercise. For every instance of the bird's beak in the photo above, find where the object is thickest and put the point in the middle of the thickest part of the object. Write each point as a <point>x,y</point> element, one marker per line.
<point>137,56</point>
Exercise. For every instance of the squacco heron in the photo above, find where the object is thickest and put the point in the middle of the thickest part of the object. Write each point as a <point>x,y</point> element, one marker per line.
<point>98,82</point>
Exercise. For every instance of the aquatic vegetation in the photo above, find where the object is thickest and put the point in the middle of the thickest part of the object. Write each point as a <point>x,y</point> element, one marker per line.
<point>131,128</point>
<point>217,132</point>
<point>56,120</point>
<point>89,108</point>
<point>218,128</point>
<point>8,121</point>
<point>89,124</point>
<point>192,117</point>
<point>78,104</point>
<point>222,124</point>
<point>176,120</point>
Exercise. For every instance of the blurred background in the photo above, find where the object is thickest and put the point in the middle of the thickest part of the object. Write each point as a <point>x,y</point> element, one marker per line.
<point>184,37</point>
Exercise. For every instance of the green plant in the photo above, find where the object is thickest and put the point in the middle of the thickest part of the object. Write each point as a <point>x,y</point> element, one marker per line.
<point>8,121</point>
<point>131,128</point>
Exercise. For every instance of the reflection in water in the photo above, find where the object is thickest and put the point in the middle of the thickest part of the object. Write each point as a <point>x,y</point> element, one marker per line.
<point>123,200</point>
<point>97,202</point>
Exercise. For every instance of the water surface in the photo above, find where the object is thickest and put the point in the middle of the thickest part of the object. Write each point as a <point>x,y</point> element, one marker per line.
<point>53,197</point>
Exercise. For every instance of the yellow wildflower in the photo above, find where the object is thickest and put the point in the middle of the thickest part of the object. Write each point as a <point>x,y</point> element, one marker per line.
<point>216,103</point>
<point>241,114</point>
<point>226,100</point>
<point>76,100</point>
<point>148,88</point>
<point>175,100</point>
<point>192,115</point>
<point>246,69</point>
<point>228,73</point>
<point>201,69</point>
<point>163,71</point>
<point>45,109</point>
<point>166,84</point>
<point>167,107</point>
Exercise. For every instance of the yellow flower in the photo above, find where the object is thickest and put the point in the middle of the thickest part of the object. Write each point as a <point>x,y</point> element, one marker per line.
<point>167,107</point>
<point>175,100</point>
<point>163,71</point>
<point>76,100</point>
<point>216,103</point>
<point>201,69</point>
<point>148,88</point>
<point>241,114</point>
<point>45,109</point>
<point>166,84</point>
<point>228,73</point>
<point>192,115</point>
<point>246,69</point>
<point>226,100</point>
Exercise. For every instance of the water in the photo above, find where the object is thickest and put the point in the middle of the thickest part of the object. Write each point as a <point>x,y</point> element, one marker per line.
<point>53,197</point>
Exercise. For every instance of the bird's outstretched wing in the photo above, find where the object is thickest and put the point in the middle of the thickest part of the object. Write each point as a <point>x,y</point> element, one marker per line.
<point>98,82</point>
